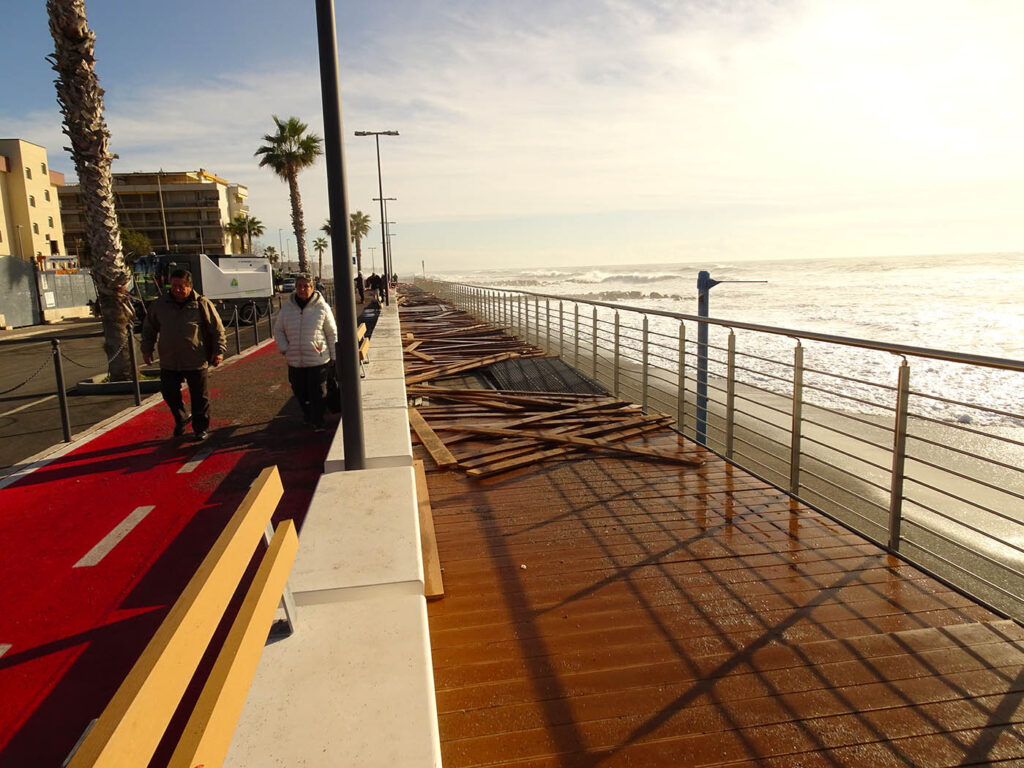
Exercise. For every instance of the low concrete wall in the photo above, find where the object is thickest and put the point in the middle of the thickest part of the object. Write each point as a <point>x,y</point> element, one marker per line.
<point>354,686</point>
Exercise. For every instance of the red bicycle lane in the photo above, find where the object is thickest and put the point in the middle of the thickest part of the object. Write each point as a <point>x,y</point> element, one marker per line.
<point>96,546</point>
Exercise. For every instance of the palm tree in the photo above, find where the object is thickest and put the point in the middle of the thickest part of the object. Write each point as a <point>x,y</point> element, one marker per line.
<point>271,253</point>
<point>245,228</point>
<point>287,152</point>
<point>326,228</point>
<point>81,102</point>
<point>358,228</point>
<point>320,245</point>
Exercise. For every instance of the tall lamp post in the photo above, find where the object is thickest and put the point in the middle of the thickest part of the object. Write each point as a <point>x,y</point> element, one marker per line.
<point>386,235</point>
<point>380,188</point>
<point>347,348</point>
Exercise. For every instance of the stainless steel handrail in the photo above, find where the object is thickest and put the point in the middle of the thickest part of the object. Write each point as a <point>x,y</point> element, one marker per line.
<point>870,453</point>
<point>896,349</point>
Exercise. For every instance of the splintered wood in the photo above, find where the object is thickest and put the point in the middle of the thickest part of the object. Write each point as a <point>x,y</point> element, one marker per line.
<point>510,429</point>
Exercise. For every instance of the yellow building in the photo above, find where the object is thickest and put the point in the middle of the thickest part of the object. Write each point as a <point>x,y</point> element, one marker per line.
<point>30,223</point>
<point>179,211</point>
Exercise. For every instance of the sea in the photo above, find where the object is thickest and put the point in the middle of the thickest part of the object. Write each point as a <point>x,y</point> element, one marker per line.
<point>969,303</point>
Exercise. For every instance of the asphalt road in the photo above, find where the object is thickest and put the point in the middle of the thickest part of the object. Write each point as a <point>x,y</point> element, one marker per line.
<point>30,418</point>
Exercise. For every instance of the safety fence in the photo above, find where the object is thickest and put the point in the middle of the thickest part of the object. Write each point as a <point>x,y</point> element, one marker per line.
<point>255,316</point>
<point>929,465</point>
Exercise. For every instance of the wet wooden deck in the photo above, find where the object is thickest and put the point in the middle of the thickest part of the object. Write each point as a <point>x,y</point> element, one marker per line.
<point>604,611</point>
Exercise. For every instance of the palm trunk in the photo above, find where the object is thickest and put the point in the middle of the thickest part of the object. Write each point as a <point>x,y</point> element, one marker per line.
<point>298,224</point>
<point>81,102</point>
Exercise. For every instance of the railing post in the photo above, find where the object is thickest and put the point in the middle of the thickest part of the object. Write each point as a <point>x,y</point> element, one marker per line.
<point>536,320</point>
<point>561,330</point>
<point>255,323</point>
<point>238,336</point>
<point>593,340</point>
<point>643,370</point>
<point>576,336</point>
<point>730,394</point>
<point>547,326</point>
<point>62,396</point>
<point>519,312</point>
<point>615,370</point>
<point>899,452</point>
<point>796,429</point>
<point>681,381</point>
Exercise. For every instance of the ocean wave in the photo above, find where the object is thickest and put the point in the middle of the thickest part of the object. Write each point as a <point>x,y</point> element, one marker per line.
<point>626,296</point>
<point>597,276</point>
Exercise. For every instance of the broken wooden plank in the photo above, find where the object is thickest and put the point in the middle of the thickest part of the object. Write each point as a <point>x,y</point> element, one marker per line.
<point>433,583</point>
<point>434,445</point>
<point>551,437</point>
<point>448,370</point>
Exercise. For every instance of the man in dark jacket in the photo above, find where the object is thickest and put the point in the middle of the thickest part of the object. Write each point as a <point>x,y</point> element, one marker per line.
<point>191,338</point>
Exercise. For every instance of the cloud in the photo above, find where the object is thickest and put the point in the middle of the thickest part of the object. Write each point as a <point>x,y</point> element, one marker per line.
<point>757,126</point>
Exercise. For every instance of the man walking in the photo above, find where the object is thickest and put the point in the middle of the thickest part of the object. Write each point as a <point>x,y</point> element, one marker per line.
<point>191,338</point>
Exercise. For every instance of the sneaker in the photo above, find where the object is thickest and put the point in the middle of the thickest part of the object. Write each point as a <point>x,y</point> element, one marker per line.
<point>179,429</point>
<point>202,435</point>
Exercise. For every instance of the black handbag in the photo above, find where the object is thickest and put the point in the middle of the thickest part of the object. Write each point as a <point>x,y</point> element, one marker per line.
<point>333,397</point>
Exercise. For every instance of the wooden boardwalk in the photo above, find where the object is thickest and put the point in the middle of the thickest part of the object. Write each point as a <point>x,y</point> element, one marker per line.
<point>609,611</point>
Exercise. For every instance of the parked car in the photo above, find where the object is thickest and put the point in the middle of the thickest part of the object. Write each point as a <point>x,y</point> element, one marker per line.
<point>288,286</point>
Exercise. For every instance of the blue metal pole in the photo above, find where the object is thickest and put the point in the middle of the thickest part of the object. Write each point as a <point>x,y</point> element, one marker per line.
<point>704,286</point>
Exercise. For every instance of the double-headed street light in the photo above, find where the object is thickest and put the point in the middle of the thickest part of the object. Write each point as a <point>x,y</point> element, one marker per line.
<point>383,217</point>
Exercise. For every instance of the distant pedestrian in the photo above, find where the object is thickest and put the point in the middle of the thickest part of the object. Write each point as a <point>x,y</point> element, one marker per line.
<point>359,286</point>
<point>306,335</point>
<point>373,282</point>
<point>188,333</point>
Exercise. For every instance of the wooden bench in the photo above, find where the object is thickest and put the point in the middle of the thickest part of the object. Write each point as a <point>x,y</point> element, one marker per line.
<point>131,727</point>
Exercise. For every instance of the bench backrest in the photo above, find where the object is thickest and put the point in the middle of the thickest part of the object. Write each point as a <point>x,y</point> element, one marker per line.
<point>131,727</point>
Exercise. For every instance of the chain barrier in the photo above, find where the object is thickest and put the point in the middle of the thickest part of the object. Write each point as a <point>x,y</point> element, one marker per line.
<point>64,355</point>
<point>26,381</point>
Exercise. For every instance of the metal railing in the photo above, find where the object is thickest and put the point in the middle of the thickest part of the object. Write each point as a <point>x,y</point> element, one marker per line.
<point>929,465</point>
<point>252,314</point>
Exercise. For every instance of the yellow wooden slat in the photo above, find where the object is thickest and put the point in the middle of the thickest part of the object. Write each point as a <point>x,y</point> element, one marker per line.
<point>130,728</point>
<point>433,584</point>
<point>209,730</point>
<point>434,445</point>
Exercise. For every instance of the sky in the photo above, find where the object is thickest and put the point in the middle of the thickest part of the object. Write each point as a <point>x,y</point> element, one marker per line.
<point>579,132</point>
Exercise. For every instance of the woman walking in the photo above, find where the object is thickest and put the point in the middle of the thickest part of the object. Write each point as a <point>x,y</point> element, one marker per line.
<point>306,335</point>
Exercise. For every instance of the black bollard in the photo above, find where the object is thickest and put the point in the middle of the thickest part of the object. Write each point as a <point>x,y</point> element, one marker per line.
<point>62,396</point>
<point>238,338</point>
<point>255,323</point>
<point>135,366</point>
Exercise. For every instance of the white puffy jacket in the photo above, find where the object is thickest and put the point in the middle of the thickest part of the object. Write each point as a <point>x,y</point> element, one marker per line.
<point>306,335</point>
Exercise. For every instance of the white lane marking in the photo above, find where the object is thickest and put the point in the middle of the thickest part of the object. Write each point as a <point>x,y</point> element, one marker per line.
<point>27,405</point>
<point>4,648</point>
<point>190,466</point>
<point>112,539</point>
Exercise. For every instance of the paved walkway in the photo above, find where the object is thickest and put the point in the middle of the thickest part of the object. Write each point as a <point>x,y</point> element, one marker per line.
<point>98,543</point>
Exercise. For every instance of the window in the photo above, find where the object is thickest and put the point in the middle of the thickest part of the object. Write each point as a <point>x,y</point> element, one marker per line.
<point>31,201</point>
<point>43,166</point>
<point>28,172</point>
<point>35,228</point>
<point>49,219</point>
<point>46,195</point>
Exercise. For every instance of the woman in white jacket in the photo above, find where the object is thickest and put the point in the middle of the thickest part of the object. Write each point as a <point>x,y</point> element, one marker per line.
<point>306,335</point>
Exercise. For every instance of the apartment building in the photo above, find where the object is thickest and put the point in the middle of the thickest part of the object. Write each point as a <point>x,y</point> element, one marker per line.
<point>182,211</point>
<point>30,219</point>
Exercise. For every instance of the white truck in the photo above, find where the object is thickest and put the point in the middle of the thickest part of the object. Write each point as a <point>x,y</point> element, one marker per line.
<point>244,282</point>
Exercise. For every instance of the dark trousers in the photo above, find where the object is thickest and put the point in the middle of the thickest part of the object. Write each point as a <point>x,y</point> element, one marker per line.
<point>308,387</point>
<point>198,390</point>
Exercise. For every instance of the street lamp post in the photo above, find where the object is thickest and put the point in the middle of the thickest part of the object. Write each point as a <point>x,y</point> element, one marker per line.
<point>347,348</point>
<point>380,188</point>
<point>386,235</point>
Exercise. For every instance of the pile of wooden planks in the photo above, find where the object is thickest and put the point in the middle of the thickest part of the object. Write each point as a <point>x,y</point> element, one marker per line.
<point>440,341</point>
<point>527,427</point>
